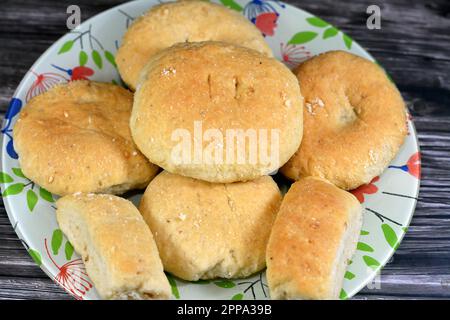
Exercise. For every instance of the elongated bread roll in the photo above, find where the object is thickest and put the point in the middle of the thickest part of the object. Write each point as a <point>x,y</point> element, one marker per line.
<point>314,235</point>
<point>116,245</point>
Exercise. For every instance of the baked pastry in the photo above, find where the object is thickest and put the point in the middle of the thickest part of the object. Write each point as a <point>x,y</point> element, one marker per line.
<point>76,137</point>
<point>205,230</point>
<point>314,236</point>
<point>116,245</point>
<point>354,120</point>
<point>184,21</point>
<point>217,112</point>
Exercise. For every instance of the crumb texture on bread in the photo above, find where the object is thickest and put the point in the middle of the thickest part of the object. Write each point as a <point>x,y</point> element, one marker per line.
<point>313,238</point>
<point>116,246</point>
<point>76,137</point>
<point>183,21</point>
<point>205,230</point>
<point>354,120</point>
<point>219,88</point>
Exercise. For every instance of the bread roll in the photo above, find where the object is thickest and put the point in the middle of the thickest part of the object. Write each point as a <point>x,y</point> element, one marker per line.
<point>354,120</point>
<point>207,231</point>
<point>76,137</point>
<point>183,21</point>
<point>116,245</point>
<point>217,112</point>
<point>314,236</point>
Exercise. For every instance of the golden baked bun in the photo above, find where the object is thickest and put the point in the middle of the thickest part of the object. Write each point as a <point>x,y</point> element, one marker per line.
<point>313,238</point>
<point>115,244</point>
<point>185,21</point>
<point>354,120</point>
<point>211,91</point>
<point>76,137</point>
<point>205,230</point>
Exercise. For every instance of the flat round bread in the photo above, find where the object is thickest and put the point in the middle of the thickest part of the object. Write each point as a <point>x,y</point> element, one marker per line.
<point>184,21</point>
<point>76,137</point>
<point>354,120</point>
<point>205,230</point>
<point>217,112</point>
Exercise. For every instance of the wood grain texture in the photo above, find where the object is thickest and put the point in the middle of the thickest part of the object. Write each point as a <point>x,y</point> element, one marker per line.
<point>414,47</point>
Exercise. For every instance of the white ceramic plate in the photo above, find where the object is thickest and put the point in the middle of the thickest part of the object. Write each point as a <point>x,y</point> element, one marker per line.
<point>88,53</point>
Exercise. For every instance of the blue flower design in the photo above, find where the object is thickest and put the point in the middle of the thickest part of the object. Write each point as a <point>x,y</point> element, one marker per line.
<point>14,108</point>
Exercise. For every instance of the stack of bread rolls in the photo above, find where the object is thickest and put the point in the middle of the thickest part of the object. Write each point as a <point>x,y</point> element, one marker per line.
<point>198,72</point>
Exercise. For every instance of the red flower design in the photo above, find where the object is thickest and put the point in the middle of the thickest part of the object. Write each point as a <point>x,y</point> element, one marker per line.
<point>43,82</point>
<point>413,165</point>
<point>293,55</point>
<point>77,73</point>
<point>369,188</point>
<point>72,276</point>
<point>266,22</point>
<point>81,73</point>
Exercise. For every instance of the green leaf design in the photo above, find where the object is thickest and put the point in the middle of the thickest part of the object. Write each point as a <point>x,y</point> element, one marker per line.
<point>83,58</point>
<point>5,178</point>
<point>317,22</point>
<point>371,262</point>
<point>364,247</point>
<point>66,46</point>
<point>32,199</point>
<point>173,285</point>
<point>364,233</point>
<point>36,256</point>
<point>47,196</point>
<point>97,59</point>
<point>13,189</point>
<point>303,37</point>
<point>238,296</point>
<point>347,40</point>
<point>232,5</point>
<point>330,32</point>
<point>68,250</point>
<point>57,238</point>
<point>200,281</point>
<point>349,275</point>
<point>343,295</point>
<point>227,284</point>
<point>390,235</point>
<point>18,172</point>
<point>110,57</point>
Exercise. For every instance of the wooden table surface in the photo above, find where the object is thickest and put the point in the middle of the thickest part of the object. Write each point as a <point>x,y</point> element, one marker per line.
<point>413,45</point>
